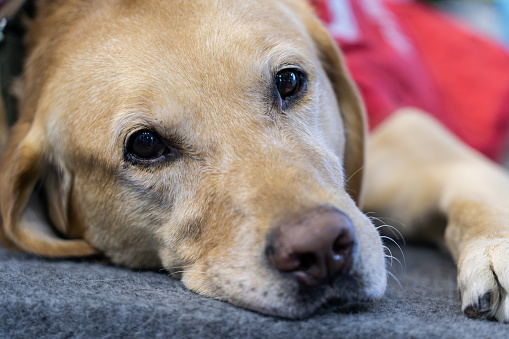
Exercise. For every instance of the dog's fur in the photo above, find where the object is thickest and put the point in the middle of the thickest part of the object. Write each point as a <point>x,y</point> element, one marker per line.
<point>200,73</point>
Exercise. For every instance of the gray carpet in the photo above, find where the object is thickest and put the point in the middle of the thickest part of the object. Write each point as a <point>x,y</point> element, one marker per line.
<point>63,299</point>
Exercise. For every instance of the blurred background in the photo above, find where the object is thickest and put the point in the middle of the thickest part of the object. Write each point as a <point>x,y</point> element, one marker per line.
<point>488,17</point>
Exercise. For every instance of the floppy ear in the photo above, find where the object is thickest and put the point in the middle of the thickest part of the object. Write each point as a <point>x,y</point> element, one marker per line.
<point>3,127</point>
<point>349,100</point>
<point>352,112</point>
<point>24,223</point>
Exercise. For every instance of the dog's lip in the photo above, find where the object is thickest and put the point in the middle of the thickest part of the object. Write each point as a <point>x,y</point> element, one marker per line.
<point>305,301</point>
<point>299,311</point>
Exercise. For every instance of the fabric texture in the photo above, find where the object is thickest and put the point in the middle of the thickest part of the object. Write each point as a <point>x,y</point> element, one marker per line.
<point>42,298</point>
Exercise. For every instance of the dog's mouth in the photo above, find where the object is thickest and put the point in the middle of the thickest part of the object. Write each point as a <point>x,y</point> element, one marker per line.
<point>289,299</point>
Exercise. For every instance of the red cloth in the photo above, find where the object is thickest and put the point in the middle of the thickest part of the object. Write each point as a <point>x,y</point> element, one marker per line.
<point>403,53</point>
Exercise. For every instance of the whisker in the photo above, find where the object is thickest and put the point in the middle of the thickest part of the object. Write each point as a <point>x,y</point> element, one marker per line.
<point>394,277</point>
<point>394,258</point>
<point>393,230</point>
<point>353,174</point>
<point>384,224</point>
<point>393,220</point>
<point>394,241</point>
<point>390,253</point>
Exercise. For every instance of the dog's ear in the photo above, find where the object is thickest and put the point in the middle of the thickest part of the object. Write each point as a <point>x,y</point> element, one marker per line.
<point>3,127</point>
<point>349,100</point>
<point>24,221</point>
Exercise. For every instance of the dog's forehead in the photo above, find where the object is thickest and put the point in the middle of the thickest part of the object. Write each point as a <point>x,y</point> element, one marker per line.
<point>167,60</point>
<point>200,39</point>
<point>200,48</point>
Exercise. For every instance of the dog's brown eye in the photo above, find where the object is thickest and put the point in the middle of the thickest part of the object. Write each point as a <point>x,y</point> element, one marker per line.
<point>147,146</point>
<point>287,82</point>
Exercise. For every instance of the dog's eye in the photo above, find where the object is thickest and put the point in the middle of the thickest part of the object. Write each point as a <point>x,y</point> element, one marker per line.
<point>147,148</point>
<point>146,145</point>
<point>288,82</point>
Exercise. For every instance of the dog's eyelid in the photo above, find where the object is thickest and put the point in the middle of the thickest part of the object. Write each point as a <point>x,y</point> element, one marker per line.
<point>169,139</point>
<point>300,63</point>
<point>289,66</point>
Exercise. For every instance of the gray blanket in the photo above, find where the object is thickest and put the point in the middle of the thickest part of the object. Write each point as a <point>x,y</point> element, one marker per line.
<point>63,299</point>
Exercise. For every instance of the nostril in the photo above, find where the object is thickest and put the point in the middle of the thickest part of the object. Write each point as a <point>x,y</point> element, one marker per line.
<point>343,244</point>
<point>307,260</point>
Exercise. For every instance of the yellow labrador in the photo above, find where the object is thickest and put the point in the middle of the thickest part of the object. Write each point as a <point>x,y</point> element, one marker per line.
<point>224,141</point>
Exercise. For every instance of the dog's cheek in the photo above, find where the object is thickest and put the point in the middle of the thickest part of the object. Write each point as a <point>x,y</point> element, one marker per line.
<point>330,122</point>
<point>233,272</point>
<point>117,221</point>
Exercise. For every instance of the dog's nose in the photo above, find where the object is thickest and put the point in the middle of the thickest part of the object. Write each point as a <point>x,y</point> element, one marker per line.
<point>316,248</point>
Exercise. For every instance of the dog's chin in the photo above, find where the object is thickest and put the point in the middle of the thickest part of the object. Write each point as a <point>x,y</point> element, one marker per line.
<point>306,304</point>
<point>288,299</point>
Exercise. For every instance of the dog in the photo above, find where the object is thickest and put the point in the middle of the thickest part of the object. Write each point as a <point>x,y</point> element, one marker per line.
<point>225,142</point>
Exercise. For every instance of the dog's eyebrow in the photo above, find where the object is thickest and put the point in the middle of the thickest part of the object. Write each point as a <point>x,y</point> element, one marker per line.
<point>130,121</point>
<point>284,56</point>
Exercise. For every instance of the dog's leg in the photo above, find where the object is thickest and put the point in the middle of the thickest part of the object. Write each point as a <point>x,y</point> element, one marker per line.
<point>417,169</point>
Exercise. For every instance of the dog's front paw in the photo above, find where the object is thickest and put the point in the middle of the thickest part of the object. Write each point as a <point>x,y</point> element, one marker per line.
<point>483,279</point>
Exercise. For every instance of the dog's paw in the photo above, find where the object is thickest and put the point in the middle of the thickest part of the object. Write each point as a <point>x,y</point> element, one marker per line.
<point>483,279</point>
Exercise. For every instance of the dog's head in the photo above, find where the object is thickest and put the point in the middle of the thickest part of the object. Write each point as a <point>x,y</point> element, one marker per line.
<point>221,140</point>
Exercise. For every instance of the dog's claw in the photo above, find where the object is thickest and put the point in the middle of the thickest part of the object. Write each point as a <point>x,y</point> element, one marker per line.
<point>485,302</point>
<point>473,312</point>
<point>481,309</point>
